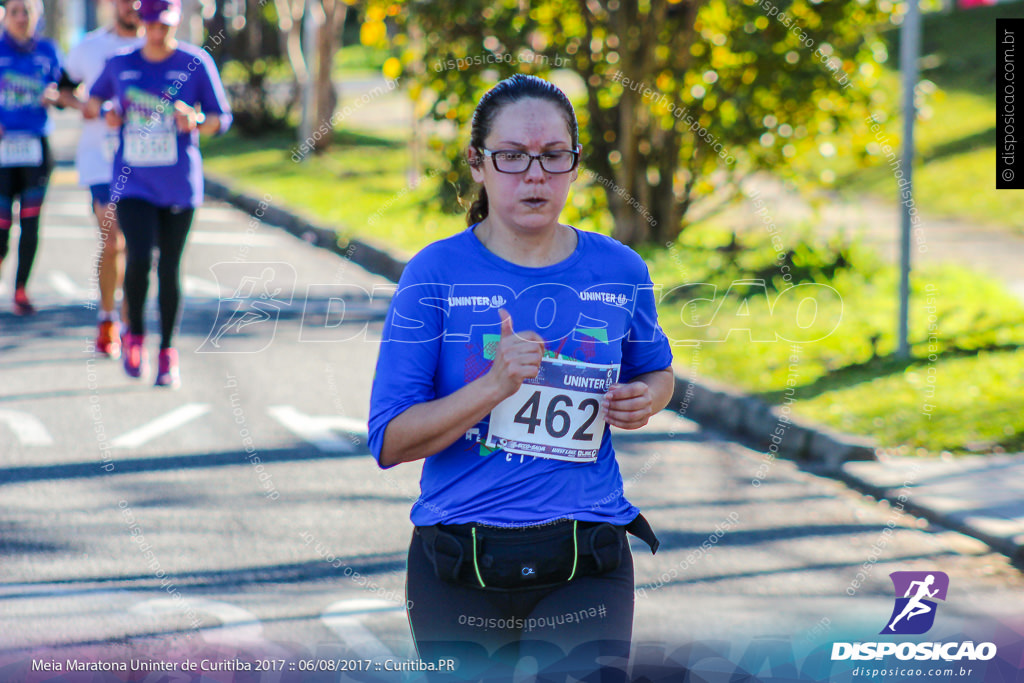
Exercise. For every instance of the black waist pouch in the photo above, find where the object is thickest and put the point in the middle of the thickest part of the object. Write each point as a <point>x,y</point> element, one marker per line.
<point>493,558</point>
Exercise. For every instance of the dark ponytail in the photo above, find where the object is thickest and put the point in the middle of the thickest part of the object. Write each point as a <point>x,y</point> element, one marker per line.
<point>478,210</point>
<point>510,91</point>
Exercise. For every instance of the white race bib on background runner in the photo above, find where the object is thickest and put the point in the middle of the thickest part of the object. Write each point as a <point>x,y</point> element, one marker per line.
<point>556,414</point>
<point>110,145</point>
<point>21,150</point>
<point>150,147</point>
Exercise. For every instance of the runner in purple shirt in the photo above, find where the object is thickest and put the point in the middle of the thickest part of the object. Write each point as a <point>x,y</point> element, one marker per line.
<point>163,94</point>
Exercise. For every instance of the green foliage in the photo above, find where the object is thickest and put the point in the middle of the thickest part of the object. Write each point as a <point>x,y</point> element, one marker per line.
<point>252,59</point>
<point>753,88</point>
<point>955,132</point>
<point>959,392</point>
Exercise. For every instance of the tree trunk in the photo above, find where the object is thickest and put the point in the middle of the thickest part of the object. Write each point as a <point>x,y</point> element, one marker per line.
<point>642,208</point>
<point>327,45</point>
<point>289,23</point>
<point>53,11</point>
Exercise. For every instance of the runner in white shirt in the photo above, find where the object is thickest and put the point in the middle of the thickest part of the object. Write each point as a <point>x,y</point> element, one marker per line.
<point>95,154</point>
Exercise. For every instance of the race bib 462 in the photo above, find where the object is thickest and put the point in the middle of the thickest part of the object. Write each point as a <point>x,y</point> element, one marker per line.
<point>555,415</point>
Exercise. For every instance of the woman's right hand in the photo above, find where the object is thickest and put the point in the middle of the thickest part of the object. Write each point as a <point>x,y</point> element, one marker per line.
<point>517,357</point>
<point>91,108</point>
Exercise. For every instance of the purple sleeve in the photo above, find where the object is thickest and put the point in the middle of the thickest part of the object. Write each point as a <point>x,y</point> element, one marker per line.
<point>103,88</point>
<point>210,93</point>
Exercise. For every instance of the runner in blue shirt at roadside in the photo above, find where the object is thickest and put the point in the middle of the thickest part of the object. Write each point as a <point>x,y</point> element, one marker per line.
<point>506,352</point>
<point>165,94</point>
<point>29,71</point>
<point>94,161</point>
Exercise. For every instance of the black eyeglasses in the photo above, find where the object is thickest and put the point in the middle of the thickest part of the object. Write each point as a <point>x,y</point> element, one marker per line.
<point>515,161</point>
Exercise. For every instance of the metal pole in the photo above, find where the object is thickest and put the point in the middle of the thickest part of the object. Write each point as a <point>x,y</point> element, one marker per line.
<point>910,46</point>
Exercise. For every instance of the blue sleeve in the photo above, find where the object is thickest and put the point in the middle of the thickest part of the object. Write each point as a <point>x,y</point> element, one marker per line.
<point>103,88</point>
<point>645,348</point>
<point>409,352</point>
<point>210,93</point>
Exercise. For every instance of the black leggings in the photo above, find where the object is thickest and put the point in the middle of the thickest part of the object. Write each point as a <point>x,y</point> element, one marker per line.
<point>28,184</point>
<point>588,618</point>
<point>146,225</point>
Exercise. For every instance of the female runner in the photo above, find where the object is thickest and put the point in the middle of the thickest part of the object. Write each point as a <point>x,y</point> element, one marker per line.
<point>507,351</point>
<point>165,94</point>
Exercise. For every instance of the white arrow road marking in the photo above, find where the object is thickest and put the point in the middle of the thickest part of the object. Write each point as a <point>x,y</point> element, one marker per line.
<point>64,232</point>
<point>220,214</point>
<point>161,425</point>
<point>68,208</point>
<point>197,286</point>
<point>65,286</point>
<point>29,430</point>
<point>345,619</point>
<point>319,430</point>
<point>236,624</point>
<point>204,237</point>
<point>233,239</point>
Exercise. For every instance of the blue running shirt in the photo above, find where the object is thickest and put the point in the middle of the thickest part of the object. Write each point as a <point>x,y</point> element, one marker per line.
<point>596,306</point>
<point>25,71</point>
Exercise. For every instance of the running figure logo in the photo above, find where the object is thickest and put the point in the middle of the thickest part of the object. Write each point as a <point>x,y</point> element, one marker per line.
<point>248,318</point>
<point>914,612</point>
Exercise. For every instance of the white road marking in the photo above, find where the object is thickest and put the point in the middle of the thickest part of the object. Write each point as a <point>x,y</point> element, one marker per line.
<point>197,286</point>
<point>161,425</point>
<point>221,214</point>
<point>29,430</point>
<point>65,286</point>
<point>67,207</point>
<point>204,237</point>
<point>344,618</point>
<point>65,232</point>
<point>233,239</point>
<point>319,430</point>
<point>236,624</point>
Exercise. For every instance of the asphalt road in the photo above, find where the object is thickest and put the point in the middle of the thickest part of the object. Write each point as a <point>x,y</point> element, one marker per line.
<point>137,518</point>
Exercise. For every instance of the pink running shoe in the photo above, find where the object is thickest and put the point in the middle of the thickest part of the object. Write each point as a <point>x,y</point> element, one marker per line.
<point>167,374</point>
<point>136,362</point>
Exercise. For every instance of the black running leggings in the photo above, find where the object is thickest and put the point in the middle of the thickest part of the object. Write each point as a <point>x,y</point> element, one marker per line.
<point>28,184</point>
<point>566,628</point>
<point>146,225</point>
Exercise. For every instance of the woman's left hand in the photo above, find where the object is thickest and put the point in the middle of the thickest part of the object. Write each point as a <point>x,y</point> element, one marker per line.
<point>628,406</point>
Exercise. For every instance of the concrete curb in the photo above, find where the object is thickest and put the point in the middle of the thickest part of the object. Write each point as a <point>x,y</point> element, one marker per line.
<point>706,402</point>
<point>714,404</point>
<point>966,523</point>
<point>369,256</point>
